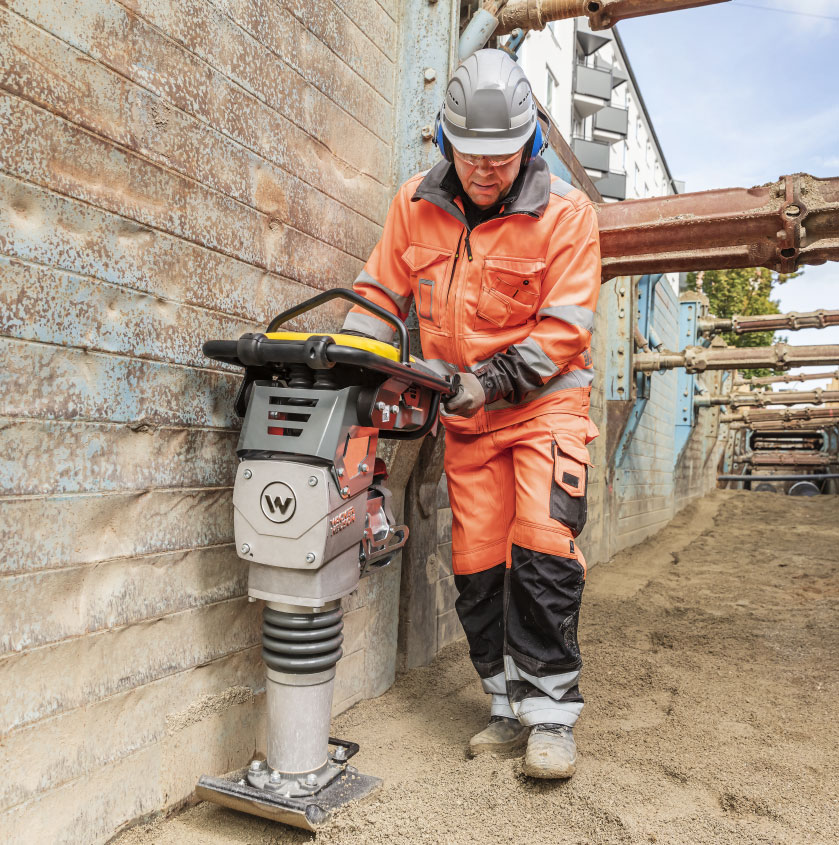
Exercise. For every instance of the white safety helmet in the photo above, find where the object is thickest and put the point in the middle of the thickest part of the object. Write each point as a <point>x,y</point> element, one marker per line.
<point>488,109</point>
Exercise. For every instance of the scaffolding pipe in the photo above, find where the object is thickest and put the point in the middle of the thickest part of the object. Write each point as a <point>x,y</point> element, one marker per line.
<point>769,322</point>
<point>820,476</point>
<point>601,14</point>
<point>784,426</point>
<point>697,359</point>
<point>798,458</point>
<point>786,378</point>
<point>764,399</point>
<point>780,226</point>
<point>826,415</point>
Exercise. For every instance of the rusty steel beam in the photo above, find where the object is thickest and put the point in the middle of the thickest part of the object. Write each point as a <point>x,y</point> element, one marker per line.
<point>821,415</point>
<point>781,226</point>
<point>779,459</point>
<point>764,399</point>
<point>697,359</point>
<point>785,426</point>
<point>769,322</point>
<point>819,476</point>
<point>786,378</point>
<point>601,14</point>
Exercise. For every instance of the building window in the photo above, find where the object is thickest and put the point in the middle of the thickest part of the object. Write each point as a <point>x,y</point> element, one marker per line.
<point>637,181</point>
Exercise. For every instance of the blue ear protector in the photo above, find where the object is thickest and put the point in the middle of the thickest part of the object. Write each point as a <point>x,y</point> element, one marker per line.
<point>536,145</point>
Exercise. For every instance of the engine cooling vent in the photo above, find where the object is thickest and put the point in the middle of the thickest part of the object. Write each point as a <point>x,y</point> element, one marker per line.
<point>287,415</point>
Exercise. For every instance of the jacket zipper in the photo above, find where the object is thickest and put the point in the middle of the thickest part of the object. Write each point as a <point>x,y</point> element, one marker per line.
<point>454,270</point>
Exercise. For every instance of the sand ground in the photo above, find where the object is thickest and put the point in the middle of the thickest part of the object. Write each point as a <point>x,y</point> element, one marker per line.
<point>712,684</point>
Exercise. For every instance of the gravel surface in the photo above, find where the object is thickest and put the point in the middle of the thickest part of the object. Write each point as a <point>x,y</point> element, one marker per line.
<point>711,679</point>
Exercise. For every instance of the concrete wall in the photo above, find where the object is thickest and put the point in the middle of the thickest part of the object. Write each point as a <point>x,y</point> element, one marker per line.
<point>169,172</point>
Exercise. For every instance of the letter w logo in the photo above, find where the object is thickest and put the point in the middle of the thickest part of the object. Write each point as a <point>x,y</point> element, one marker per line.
<point>278,503</point>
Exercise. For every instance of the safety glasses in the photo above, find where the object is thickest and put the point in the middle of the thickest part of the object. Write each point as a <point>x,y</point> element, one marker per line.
<point>492,161</point>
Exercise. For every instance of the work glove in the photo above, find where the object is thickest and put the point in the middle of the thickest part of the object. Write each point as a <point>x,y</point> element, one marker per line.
<point>468,400</point>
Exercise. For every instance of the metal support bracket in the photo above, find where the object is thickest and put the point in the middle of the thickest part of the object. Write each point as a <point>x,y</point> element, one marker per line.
<point>640,320</point>
<point>689,312</point>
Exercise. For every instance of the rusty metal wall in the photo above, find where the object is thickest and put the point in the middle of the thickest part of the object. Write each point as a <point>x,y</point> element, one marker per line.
<point>169,172</point>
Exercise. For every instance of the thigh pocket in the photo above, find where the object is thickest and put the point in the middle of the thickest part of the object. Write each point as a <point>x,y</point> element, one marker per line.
<point>569,500</point>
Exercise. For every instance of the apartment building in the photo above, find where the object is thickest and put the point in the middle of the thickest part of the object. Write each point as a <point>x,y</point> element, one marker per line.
<point>585,81</point>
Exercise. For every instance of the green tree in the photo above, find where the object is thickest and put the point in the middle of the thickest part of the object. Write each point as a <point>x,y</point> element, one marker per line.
<point>742,292</point>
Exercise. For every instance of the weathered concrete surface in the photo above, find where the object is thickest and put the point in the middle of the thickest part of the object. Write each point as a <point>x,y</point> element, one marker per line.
<point>168,174</point>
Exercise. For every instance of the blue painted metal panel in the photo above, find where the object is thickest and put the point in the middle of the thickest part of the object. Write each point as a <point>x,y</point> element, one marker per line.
<point>645,310</point>
<point>685,382</point>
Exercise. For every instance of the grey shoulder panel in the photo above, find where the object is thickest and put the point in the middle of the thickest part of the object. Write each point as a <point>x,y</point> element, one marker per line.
<point>560,187</point>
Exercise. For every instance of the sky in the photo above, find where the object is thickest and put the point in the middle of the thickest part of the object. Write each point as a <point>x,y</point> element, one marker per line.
<point>740,96</point>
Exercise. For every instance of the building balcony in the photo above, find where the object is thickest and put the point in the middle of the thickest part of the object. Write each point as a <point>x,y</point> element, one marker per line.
<point>592,89</point>
<point>590,42</point>
<point>593,155</point>
<point>612,186</point>
<point>610,124</point>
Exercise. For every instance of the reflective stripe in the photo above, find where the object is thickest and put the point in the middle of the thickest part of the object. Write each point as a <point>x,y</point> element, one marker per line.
<point>403,303</point>
<point>567,381</point>
<point>496,686</point>
<point>546,708</point>
<point>534,356</point>
<point>560,188</point>
<point>440,367</point>
<point>575,315</point>
<point>367,324</point>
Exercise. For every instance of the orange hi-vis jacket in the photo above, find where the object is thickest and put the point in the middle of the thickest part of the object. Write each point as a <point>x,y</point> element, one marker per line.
<point>519,290</point>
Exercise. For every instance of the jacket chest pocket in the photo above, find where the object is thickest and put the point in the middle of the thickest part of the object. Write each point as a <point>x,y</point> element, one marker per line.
<point>569,501</point>
<point>429,266</point>
<point>509,291</point>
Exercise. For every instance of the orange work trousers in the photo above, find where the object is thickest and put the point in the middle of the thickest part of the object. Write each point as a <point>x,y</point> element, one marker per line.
<point>518,499</point>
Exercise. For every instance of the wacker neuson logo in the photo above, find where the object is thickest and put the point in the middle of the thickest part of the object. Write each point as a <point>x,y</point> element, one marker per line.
<point>278,502</point>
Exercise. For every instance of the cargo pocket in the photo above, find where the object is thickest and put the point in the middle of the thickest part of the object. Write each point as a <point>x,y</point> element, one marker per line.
<point>509,291</point>
<point>569,502</point>
<point>429,268</point>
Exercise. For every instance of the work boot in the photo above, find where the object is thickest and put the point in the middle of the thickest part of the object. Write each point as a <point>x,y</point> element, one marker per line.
<point>551,752</point>
<point>502,734</point>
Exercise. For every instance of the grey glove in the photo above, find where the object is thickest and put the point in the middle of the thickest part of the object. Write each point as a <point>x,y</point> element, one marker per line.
<point>468,400</point>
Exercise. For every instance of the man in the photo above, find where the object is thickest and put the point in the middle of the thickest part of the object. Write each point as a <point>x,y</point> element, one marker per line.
<point>503,262</point>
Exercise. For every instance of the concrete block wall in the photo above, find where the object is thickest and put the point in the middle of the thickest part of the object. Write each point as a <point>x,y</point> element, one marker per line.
<point>699,463</point>
<point>169,173</point>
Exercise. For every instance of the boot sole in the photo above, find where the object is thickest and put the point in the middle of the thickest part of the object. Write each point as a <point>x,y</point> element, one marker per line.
<point>547,773</point>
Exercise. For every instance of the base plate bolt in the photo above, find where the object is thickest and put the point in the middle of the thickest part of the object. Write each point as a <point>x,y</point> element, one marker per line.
<point>313,481</point>
<point>310,557</point>
<point>311,779</point>
<point>247,474</point>
<point>340,753</point>
<point>245,548</point>
<point>276,777</point>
